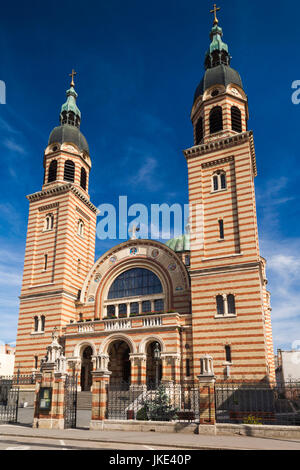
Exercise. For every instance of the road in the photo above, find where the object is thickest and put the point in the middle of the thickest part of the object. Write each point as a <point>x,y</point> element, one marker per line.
<point>36,443</point>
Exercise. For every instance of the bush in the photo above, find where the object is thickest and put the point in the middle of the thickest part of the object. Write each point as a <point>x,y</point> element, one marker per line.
<point>160,409</point>
<point>142,414</point>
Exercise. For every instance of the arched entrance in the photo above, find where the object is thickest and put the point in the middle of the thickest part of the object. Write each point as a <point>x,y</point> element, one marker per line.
<point>86,369</point>
<point>154,365</point>
<point>119,364</point>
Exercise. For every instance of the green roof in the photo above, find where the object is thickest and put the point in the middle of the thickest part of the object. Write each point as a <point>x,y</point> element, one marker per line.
<point>181,243</point>
<point>70,104</point>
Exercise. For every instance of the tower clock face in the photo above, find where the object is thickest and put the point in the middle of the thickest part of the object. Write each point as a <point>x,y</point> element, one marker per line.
<point>235,92</point>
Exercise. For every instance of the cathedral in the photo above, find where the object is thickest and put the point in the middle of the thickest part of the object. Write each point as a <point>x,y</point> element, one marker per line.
<point>150,310</point>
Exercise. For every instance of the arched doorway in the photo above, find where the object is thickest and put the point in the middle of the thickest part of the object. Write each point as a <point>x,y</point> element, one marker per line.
<point>154,365</point>
<point>86,369</point>
<point>119,364</point>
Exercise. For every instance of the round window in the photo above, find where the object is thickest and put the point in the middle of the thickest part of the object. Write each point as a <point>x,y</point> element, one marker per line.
<point>215,92</point>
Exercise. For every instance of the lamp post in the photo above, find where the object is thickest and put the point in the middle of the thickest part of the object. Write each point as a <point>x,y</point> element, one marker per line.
<point>156,356</point>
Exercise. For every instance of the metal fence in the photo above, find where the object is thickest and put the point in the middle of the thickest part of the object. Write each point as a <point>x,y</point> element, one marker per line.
<point>165,403</point>
<point>258,403</point>
<point>18,379</point>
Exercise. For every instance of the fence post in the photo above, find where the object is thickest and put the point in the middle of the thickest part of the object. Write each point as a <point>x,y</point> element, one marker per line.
<point>100,391</point>
<point>207,413</point>
<point>50,389</point>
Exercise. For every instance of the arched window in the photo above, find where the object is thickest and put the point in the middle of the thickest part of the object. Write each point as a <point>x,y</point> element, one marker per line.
<point>42,323</point>
<point>111,311</point>
<point>83,178</point>
<point>123,309</point>
<point>69,171</point>
<point>219,180</point>
<point>135,282</point>
<point>231,304</point>
<point>36,323</point>
<point>52,171</point>
<point>215,119</point>
<point>146,306</point>
<point>80,228</point>
<point>199,131</point>
<point>48,223</point>
<point>158,305</point>
<point>236,119</point>
<point>220,305</point>
<point>134,307</point>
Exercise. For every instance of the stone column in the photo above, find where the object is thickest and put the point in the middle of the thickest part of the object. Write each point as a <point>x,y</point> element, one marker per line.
<point>170,368</point>
<point>100,391</point>
<point>138,370</point>
<point>207,414</point>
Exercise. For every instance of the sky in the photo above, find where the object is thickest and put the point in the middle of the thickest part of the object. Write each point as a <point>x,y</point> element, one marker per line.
<point>138,64</point>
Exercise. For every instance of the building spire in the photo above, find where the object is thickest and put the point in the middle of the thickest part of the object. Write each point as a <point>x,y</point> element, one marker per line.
<point>70,113</point>
<point>217,53</point>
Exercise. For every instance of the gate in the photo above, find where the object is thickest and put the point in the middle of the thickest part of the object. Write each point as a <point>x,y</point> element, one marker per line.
<point>70,406</point>
<point>9,401</point>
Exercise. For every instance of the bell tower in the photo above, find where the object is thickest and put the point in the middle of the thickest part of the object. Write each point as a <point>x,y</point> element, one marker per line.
<point>230,303</point>
<point>60,245</point>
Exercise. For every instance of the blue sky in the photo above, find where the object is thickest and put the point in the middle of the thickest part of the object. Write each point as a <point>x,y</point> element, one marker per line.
<point>138,65</point>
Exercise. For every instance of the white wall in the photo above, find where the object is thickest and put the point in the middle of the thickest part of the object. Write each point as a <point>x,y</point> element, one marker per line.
<point>7,362</point>
<point>291,365</point>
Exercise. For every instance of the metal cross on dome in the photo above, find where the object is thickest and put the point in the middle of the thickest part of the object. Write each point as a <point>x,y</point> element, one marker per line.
<point>133,231</point>
<point>214,11</point>
<point>72,75</point>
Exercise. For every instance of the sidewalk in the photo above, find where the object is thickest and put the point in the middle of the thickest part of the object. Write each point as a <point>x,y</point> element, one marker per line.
<point>181,441</point>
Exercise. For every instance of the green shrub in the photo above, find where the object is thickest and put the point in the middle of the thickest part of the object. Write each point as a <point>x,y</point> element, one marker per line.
<point>142,414</point>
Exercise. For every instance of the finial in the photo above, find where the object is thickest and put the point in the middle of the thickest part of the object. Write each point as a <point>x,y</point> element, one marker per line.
<point>72,75</point>
<point>214,11</point>
<point>133,231</point>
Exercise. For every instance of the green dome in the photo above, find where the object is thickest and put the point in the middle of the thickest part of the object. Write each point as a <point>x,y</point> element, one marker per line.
<point>181,243</point>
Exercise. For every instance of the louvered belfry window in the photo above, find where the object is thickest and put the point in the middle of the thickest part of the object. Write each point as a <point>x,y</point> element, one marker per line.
<point>236,119</point>
<point>216,119</point>
<point>199,131</point>
<point>83,178</point>
<point>69,172</point>
<point>52,171</point>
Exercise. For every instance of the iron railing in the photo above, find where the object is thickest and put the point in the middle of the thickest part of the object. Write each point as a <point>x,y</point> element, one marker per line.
<point>165,403</point>
<point>258,403</point>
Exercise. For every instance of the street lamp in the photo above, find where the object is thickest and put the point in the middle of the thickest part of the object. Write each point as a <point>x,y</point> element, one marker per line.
<point>156,356</point>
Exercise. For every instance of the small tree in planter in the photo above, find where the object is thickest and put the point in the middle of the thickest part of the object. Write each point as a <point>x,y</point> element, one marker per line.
<point>160,409</point>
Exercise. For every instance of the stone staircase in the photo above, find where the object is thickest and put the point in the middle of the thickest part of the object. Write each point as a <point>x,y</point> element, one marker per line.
<point>84,400</point>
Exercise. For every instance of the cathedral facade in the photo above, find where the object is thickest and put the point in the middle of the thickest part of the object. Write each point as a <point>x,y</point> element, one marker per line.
<point>150,310</point>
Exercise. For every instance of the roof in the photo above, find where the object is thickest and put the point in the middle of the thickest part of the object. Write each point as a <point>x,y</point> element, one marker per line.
<point>67,133</point>
<point>219,75</point>
<point>181,243</point>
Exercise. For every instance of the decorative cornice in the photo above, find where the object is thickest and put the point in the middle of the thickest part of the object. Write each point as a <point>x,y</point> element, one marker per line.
<point>55,293</point>
<point>224,269</point>
<point>222,144</point>
<point>82,213</point>
<point>61,190</point>
<point>48,207</point>
<point>217,162</point>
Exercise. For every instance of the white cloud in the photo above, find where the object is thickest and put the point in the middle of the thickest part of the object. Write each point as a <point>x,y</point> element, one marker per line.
<point>14,147</point>
<point>283,272</point>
